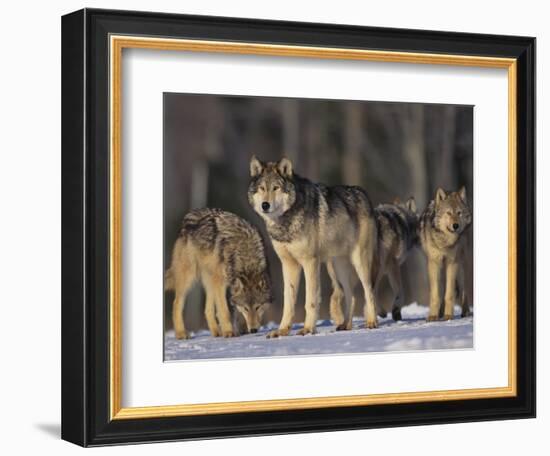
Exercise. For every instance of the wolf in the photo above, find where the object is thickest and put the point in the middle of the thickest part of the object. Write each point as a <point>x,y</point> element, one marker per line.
<point>310,224</point>
<point>442,235</point>
<point>228,255</point>
<point>398,235</point>
<point>398,231</point>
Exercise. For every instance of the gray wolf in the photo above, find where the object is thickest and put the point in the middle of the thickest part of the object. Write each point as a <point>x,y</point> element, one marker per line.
<point>397,231</point>
<point>310,224</point>
<point>227,254</point>
<point>442,236</point>
<point>398,226</point>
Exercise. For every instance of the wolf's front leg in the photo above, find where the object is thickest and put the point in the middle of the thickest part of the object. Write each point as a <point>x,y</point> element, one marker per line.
<point>222,307</point>
<point>177,317</point>
<point>336,298</point>
<point>312,273</point>
<point>183,285</point>
<point>346,278</point>
<point>363,262</point>
<point>450,290</point>
<point>462,295</point>
<point>394,276</point>
<point>370,307</point>
<point>434,276</point>
<point>291,279</point>
<point>210,314</point>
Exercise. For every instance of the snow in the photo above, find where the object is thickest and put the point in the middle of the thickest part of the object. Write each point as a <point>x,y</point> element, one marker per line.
<point>410,334</point>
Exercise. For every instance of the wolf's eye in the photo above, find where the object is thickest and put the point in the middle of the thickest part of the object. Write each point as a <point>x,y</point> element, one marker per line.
<point>262,189</point>
<point>449,213</point>
<point>275,188</point>
<point>459,213</point>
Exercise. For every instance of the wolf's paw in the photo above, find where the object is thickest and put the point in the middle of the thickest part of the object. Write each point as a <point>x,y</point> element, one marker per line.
<point>305,331</point>
<point>382,313</point>
<point>215,332</point>
<point>182,335</point>
<point>278,333</point>
<point>432,318</point>
<point>343,327</point>
<point>337,321</point>
<point>396,314</point>
<point>447,317</point>
<point>371,324</point>
<point>229,333</point>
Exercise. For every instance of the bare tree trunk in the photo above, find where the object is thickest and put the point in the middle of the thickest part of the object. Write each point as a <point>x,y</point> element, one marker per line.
<point>210,123</point>
<point>414,148</point>
<point>447,172</point>
<point>314,146</point>
<point>351,168</point>
<point>199,183</point>
<point>415,153</point>
<point>291,129</point>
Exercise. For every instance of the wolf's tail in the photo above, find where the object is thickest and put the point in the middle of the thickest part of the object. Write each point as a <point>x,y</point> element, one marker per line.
<point>169,280</point>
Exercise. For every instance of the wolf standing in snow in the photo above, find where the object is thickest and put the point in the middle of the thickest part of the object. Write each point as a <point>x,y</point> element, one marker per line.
<point>397,231</point>
<point>442,235</point>
<point>398,225</point>
<point>310,224</point>
<point>227,254</point>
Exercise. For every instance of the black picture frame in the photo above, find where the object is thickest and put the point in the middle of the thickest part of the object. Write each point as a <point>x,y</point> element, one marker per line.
<point>85,228</point>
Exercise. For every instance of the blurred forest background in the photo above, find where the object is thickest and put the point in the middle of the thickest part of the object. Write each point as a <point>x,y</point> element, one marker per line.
<point>390,149</point>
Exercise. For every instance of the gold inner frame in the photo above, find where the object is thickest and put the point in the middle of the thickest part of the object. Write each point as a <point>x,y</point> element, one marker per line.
<point>117,44</point>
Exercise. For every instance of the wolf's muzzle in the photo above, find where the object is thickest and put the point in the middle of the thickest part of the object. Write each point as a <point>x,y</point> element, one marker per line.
<point>265,206</point>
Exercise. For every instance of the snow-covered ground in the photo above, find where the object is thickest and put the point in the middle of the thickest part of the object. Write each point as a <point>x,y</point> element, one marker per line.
<point>412,333</point>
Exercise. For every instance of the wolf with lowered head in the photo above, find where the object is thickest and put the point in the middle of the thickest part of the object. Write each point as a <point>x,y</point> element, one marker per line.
<point>442,235</point>
<point>310,224</point>
<point>227,254</point>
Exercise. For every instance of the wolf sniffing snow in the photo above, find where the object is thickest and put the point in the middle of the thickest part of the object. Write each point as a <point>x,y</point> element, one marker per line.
<point>227,254</point>
<point>442,236</point>
<point>310,224</point>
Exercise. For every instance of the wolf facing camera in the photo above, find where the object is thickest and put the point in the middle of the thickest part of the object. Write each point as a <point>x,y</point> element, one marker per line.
<point>227,255</point>
<point>310,224</point>
<point>442,235</point>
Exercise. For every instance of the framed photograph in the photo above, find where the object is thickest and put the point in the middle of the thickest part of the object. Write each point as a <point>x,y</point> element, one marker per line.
<point>277,227</point>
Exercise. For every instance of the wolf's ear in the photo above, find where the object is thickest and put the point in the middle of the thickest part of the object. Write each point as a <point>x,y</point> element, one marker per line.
<point>411,204</point>
<point>440,195</point>
<point>285,167</point>
<point>462,193</point>
<point>256,167</point>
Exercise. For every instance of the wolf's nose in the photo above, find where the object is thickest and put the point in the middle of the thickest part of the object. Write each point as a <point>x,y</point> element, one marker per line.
<point>455,226</point>
<point>265,206</point>
<point>254,330</point>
